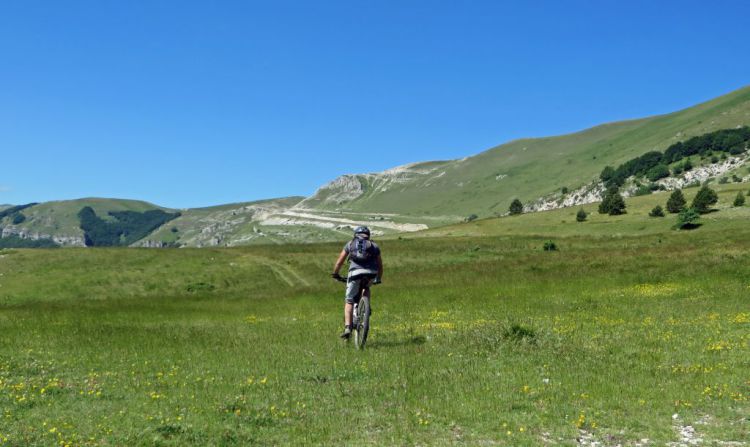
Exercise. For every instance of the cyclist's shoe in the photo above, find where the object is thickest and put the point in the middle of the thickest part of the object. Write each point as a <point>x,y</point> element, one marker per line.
<point>347,333</point>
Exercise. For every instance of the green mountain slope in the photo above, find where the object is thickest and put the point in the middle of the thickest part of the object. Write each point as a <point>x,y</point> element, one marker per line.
<point>58,220</point>
<point>420,195</point>
<point>485,184</point>
<point>230,224</point>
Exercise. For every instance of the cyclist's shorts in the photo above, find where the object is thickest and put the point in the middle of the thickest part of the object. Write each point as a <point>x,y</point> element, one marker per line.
<point>355,283</point>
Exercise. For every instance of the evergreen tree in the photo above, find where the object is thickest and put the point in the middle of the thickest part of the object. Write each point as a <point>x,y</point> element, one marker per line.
<point>516,207</point>
<point>739,200</point>
<point>657,172</point>
<point>676,202</point>
<point>657,211</point>
<point>18,218</point>
<point>704,199</point>
<point>581,215</point>
<point>612,203</point>
<point>687,218</point>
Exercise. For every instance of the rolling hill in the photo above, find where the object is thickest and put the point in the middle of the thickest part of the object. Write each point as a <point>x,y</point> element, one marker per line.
<point>420,195</point>
<point>527,169</point>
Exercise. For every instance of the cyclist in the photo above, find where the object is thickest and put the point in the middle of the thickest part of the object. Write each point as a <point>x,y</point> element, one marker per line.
<point>365,268</point>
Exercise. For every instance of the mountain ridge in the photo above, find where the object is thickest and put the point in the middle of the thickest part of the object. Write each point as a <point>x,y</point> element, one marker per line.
<point>416,195</point>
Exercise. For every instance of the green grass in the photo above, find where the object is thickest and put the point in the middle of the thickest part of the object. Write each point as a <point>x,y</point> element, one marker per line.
<point>562,222</point>
<point>537,167</point>
<point>478,339</point>
<point>60,218</point>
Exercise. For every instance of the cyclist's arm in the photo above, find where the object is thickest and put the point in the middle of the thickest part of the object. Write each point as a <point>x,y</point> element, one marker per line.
<point>380,268</point>
<point>339,262</point>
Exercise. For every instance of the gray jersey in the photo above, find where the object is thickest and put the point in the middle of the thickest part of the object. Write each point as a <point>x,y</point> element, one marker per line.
<point>367,264</point>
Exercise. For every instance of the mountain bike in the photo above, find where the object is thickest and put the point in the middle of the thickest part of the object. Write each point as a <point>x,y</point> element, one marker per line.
<point>360,315</point>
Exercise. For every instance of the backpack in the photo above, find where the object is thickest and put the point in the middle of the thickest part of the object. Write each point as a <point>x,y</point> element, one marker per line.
<point>360,250</point>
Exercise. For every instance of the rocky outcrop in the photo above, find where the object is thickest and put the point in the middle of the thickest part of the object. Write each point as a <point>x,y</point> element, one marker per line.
<point>349,187</point>
<point>343,189</point>
<point>589,193</point>
<point>64,240</point>
<point>594,191</point>
<point>703,173</point>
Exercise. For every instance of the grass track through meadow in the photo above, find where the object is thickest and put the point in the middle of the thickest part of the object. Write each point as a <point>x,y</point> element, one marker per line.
<point>476,341</point>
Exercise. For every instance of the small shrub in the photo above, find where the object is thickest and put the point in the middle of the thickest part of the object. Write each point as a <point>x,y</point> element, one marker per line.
<point>739,200</point>
<point>471,217</point>
<point>516,207</point>
<point>736,178</point>
<point>549,246</point>
<point>687,219</point>
<point>657,211</point>
<point>581,215</point>
<point>519,333</point>
<point>714,159</point>
<point>200,287</point>
<point>687,166</point>
<point>723,181</point>
<point>564,190</point>
<point>642,191</point>
<point>174,230</point>
<point>677,170</point>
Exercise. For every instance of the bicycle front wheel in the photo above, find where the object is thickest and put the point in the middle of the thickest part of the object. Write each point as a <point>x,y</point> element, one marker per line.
<point>363,323</point>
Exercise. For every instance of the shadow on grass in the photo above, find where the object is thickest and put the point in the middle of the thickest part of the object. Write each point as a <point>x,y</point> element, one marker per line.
<point>407,341</point>
<point>692,226</point>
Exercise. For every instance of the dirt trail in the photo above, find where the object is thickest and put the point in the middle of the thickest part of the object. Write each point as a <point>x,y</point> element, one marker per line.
<point>283,271</point>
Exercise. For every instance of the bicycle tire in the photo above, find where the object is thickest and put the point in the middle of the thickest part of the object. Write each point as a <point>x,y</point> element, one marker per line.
<point>363,323</point>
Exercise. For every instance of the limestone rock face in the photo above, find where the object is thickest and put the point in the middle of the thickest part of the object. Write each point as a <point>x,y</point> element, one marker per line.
<point>64,240</point>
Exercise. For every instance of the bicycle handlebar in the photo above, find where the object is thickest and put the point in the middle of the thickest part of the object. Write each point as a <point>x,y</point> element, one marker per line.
<point>340,278</point>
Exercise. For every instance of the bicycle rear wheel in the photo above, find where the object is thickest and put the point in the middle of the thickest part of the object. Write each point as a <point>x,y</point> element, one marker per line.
<point>363,322</point>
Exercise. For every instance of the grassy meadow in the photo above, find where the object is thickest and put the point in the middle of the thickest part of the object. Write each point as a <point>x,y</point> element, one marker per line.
<point>625,336</point>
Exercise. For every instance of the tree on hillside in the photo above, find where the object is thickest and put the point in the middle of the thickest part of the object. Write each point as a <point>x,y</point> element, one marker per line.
<point>612,203</point>
<point>18,218</point>
<point>516,207</point>
<point>687,219</point>
<point>739,200</point>
<point>676,202</point>
<point>657,172</point>
<point>704,199</point>
<point>687,166</point>
<point>581,215</point>
<point>657,211</point>
<point>607,174</point>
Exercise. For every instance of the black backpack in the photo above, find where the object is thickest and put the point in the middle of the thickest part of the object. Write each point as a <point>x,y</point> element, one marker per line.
<point>360,250</point>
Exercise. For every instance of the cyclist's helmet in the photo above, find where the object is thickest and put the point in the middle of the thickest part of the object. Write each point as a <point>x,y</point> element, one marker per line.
<point>362,232</point>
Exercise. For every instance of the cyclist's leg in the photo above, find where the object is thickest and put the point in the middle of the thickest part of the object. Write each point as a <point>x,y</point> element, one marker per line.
<point>352,291</point>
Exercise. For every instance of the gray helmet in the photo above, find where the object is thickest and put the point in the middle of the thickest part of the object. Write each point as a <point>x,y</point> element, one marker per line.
<point>362,230</point>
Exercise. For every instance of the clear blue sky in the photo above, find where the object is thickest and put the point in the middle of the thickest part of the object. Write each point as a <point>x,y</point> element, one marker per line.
<point>197,103</point>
